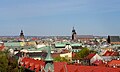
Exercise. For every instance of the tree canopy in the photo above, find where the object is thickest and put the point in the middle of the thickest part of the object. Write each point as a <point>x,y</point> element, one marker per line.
<point>81,54</point>
<point>61,59</point>
<point>8,63</point>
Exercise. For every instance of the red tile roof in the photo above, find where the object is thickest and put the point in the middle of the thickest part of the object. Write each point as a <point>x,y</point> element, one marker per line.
<point>71,68</point>
<point>111,53</point>
<point>63,66</point>
<point>32,63</point>
<point>1,48</point>
<point>75,68</point>
<point>114,63</point>
<point>58,66</point>
<point>90,56</point>
<point>62,70</point>
<point>32,66</point>
<point>98,62</point>
<point>73,54</point>
<point>97,69</point>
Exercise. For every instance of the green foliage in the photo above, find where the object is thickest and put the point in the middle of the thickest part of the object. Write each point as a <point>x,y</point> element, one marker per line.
<point>57,59</point>
<point>61,59</point>
<point>8,63</point>
<point>81,54</point>
<point>21,69</point>
<point>3,62</point>
<point>92,51</point>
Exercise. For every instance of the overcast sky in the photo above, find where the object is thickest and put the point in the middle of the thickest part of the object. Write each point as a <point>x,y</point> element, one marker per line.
<point>57,17</point>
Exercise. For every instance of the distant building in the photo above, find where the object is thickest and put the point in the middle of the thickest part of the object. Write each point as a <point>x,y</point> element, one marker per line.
<point>74,34</point>
<point>85,37</point>
<point>74,47</point>
<point>113,39</point>
<point>22,38</point>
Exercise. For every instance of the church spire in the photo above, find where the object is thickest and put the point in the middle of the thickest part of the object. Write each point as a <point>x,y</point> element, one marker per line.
<point>49,66</point>
<point>21,32</point>
<point>48,57</point>
<point>73,34</point>
<point>22,36</point>
<point>73,30</point>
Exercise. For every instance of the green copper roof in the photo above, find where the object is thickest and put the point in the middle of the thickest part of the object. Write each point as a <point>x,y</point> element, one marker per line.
<point>116,45</point>
<point>60,45</point>
<point>63,44</point>
<point>12,44</point>
<point>48,57</point>
<point>49,67</point>
<point>76,44</point>
<point>43,48</point>
<point>37,49</point>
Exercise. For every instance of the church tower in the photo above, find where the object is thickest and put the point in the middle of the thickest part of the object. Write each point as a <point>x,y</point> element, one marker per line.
<point>74,34</point>
<point>22,36</point>
<point>49,67</point>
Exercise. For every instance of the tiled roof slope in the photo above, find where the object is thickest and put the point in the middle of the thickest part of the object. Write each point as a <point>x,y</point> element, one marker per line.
<point>114,62</point>
<point>64,67</point>
<point>111,53</point>
<point>90,56</point>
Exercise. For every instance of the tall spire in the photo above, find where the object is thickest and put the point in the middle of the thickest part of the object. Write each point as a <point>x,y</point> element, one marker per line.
<point>22,36</point>
<point>73,34</point>
<point>21,33</point>
<point>73,30</point>
<point>49,62</point>
<point>48,57</point>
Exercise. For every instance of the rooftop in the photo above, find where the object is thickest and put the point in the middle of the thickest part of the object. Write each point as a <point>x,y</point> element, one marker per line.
<point>63,66</point>
<point>90,56</point>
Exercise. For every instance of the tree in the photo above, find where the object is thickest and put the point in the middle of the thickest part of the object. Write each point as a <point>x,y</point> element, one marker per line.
<point>92,51</point>
<point>7,62</point>
<point>81,54</point>
<point>57,59</point>
<point>3,62</point>
<point>61,59</point>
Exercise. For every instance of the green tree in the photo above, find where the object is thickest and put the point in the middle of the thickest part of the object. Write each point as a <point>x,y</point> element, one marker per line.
<point>3,62</point>
<point>61,59</point>
<point>81,54</point>
<point>92,51</point>
<point>7,62</point>
<point>57,59</point>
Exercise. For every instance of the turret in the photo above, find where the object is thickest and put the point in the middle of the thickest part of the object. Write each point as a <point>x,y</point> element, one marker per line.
<point>49,62</point>
<point>73,34</point>
<point>22,36</point>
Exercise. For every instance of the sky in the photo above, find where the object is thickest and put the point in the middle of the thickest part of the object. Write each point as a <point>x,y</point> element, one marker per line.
<point>57,17</point>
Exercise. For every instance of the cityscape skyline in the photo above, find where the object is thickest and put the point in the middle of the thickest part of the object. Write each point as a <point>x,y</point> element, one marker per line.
<point>44,18</point>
